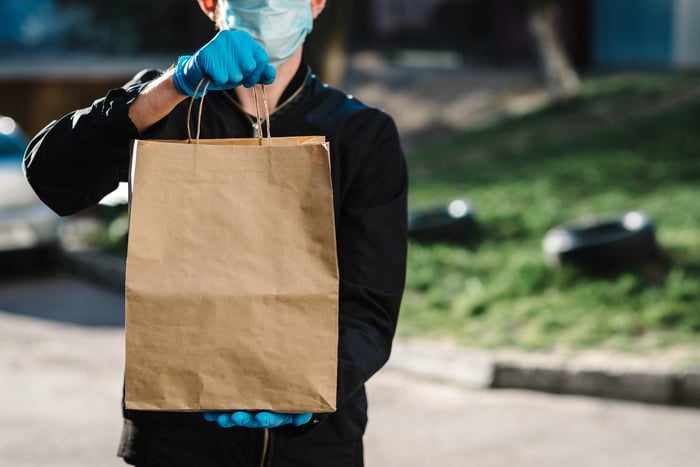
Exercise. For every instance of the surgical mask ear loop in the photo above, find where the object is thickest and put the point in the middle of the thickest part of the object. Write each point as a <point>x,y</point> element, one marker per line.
<point>206,83</point>
<point>267,115</point>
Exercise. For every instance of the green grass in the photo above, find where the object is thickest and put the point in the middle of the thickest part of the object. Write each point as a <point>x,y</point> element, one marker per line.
<point>629,141</point>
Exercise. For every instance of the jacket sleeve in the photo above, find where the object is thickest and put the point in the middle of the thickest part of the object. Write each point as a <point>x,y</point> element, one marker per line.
<point>372,244</point>
<point>76,160</point>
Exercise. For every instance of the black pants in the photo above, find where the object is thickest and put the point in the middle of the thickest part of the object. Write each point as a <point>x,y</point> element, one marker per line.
<point>197,443</point>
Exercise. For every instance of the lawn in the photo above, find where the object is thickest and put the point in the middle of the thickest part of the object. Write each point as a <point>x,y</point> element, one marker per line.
<point>629,141</point>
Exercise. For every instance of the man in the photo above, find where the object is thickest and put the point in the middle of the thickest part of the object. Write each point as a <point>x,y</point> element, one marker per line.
<point>78,159</point>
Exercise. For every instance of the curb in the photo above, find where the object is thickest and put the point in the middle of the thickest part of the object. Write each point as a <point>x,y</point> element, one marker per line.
<point>104,269</point>
<point>609,377</point>
<point>654,388</point>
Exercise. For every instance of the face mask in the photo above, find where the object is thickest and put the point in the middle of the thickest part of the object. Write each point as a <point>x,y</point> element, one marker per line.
<point>279,26</point>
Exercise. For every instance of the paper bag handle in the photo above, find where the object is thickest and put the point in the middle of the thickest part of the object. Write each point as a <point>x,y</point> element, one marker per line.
<point>206,83</point>
<point>267,115</point>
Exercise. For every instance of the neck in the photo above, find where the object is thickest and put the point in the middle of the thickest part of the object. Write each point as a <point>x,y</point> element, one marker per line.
<point>274,91</point>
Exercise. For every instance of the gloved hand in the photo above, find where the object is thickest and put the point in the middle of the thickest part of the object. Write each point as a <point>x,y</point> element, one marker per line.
<point>259,420</point>
<point>230,59</point>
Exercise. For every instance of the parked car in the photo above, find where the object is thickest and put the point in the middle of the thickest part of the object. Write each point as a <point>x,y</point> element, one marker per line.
<point>26,224</point>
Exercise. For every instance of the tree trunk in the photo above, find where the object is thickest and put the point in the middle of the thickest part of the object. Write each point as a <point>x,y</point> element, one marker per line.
<point>325,49</point>
<point>561,77</point>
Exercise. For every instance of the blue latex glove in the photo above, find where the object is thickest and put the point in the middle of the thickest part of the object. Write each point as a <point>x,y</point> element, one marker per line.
<point>230,59</point>
<point>256,420</point>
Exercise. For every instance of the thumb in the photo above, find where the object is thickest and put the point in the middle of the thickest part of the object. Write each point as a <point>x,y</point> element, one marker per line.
<point>272,419</point>
<point>302,419</point>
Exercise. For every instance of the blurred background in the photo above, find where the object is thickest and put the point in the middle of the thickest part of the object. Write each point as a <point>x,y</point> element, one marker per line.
<point>552,147</point>
<point>69,44</point>
<point>534,115</point>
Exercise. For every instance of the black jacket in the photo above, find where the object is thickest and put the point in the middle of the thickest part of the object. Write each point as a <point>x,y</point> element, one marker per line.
<point>77,160</point>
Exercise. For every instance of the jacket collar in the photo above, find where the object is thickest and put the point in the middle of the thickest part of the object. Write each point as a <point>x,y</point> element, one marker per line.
<point>291,95</point>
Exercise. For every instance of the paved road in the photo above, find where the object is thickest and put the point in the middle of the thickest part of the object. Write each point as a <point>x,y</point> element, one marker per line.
<point>60,387</point>
<point>431,102</point>
<point>60,381</point>
<point>417,423</point>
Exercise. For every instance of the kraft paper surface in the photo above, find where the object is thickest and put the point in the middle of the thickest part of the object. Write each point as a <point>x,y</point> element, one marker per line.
<point>232,277</point>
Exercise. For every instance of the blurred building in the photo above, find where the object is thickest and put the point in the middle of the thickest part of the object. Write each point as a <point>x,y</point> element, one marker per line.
<point>480,31</point>
<point>56,55</point>
<point>596,33</point>
<point>658,33</point>
<point>618,33</point>
<point>21,23</point>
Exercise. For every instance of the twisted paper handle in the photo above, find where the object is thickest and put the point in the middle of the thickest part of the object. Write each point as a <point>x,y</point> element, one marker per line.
<point>206,82</point>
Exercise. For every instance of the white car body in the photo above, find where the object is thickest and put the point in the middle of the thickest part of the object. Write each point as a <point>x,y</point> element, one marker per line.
<point>25,222</point>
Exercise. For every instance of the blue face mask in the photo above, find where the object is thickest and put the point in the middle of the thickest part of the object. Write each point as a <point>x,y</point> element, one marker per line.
<point>279,26</point>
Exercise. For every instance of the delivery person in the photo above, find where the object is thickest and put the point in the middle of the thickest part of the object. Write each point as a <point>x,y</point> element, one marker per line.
<point>77,160</point>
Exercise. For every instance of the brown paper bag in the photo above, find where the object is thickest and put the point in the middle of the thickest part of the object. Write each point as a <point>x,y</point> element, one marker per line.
<point>232,277</point>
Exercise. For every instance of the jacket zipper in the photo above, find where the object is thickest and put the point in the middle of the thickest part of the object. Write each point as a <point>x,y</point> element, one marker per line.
<point>266,444</point>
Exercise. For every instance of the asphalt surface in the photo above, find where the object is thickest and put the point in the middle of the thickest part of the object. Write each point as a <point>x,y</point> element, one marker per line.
<point>429,98</point>
<point>416,423</point>
<point>60,390</point>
